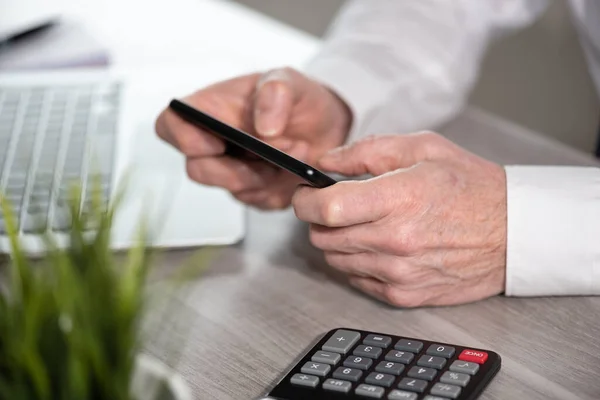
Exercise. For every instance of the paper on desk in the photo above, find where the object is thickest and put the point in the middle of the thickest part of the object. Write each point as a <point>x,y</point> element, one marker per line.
<point>65,45</point>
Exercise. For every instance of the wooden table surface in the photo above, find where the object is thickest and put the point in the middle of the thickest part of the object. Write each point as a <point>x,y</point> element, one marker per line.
<point>261,302</point>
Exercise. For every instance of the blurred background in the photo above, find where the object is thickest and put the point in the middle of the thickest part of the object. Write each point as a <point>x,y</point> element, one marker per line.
<point>537,77</point>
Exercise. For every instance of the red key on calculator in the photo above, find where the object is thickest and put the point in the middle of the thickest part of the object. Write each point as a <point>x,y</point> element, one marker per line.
<point>475,356</point>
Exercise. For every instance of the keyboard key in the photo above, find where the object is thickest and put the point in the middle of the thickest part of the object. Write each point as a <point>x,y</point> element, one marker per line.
<point>314,368</point>
<point>358,362</point>
<point>305,380</point>
<point>402,395</point>
<point>389,367</point>
<point>455,378</point>
<point>378,340</point>
<point>341,341</point>
<point>376,378</point>
<point>326,357</point>
<point>409,345</point>
<point>441,351</point>
<point>432,362</point>
<point>422,373</point>
<point>429,397</point>
<point>399,356</point>
<point>445,390</point>
<point>349,374</point>
<point>375,392</point>
<point>475,356</point>
<point>337,385</point>
<point>412,385</point>
<point>464,367</point>
<point>367,351</point>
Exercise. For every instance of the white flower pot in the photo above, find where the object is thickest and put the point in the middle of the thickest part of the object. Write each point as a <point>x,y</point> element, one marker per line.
<point>153,380</point>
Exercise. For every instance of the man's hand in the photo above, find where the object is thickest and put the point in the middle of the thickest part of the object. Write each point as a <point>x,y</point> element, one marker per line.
<point>428,229</point>
<point>283,108</point>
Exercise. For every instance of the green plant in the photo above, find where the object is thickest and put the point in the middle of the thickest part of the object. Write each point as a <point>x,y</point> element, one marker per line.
<point>69,322</point>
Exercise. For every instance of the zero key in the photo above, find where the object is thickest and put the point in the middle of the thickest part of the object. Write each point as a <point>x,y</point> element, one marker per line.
<point>341,341</point>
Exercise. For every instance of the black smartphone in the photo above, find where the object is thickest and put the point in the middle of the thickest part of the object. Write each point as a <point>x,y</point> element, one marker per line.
<point>239,141</point>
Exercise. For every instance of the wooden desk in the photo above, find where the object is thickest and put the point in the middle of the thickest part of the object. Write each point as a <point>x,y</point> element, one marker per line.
<point>262,302</point>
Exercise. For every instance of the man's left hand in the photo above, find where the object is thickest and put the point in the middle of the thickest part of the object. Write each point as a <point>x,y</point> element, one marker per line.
<point>428,229</point>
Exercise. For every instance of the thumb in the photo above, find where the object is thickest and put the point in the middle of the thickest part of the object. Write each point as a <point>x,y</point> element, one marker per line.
<point>273,103</point>
<point>376,155</point>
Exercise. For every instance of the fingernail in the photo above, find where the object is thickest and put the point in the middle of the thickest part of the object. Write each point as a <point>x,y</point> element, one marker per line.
<point>269,118</point>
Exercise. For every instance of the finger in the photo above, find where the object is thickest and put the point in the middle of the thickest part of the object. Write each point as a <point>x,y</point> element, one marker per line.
<point>348,240</point>
<point>390,293</point>
<point>377,155</point>
<point>343,204</point>
<point>187,138</point>
<point>275,195</point>
<point>383,267</point>
<point>229,173</point>
<point>275,96</point>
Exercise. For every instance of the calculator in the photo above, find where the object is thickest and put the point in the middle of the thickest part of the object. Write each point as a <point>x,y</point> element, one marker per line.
<point>352,364</point>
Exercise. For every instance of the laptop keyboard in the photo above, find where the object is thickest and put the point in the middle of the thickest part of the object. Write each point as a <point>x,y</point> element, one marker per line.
<point>52,137</point>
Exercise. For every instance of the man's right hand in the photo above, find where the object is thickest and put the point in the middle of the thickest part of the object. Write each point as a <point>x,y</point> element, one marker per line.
<point>281,107</point>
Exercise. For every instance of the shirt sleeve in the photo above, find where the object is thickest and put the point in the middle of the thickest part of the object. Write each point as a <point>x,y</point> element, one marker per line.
<point>553,231</point>
<point>405,66</point>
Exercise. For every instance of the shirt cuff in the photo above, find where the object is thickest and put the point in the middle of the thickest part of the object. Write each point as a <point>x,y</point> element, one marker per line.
<point>360,89</point>
<point>553,231</point>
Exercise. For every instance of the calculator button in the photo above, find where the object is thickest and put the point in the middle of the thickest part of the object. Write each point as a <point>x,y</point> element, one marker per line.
<point>304,380</point>
<point>402,395</point>
<point>455,378</point>
<point>475,356</point>
<point>378,340</point>
<point>429,397</point>
<point>431,362</point>
<point>337,385</point>
<point>422,373</point>
<point>389,367</point>
<point>326,357</point>
<point>349,374</point>
<point>445,390</point>
<point>376,378</point>
<point>464,367</point>
<point>441,351</point>
<point>375,392</point>
<point>413,385</point>
<point>367,351</point>
<point>358,362</point>
<point>399,356</point>
<point>341,341</point>
<point>314,368</point>
<point>409,345</point>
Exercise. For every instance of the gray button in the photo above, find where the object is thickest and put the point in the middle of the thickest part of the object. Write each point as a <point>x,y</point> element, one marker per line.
<point>429,397</point>
<point>389,367</point>
<point>412,385</point>
<point>326,357</point>
<point>349,374</point>
<point>304,380</point>
<point>369,391</point>
<point>367,351</point>
<point>464,367</point>
<point>441,351</point>
<point>409,345</point>
<point>445,390</point>
<point>378,340</point>
<point>455,378</point>
<point>358,362</point>
<point>341,341</point>
<point>314,368</point>
<point>402,395</point>
<point>337,385</point>
<point>422,373</point>
<point>432,362</point>
<point>399,356</point>
<point>376,378</point>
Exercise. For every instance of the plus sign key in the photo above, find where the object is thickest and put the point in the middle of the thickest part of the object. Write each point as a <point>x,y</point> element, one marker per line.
<point>341,341</point>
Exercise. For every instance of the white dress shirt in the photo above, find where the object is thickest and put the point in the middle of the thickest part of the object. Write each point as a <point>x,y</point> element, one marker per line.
<point>408,65</point>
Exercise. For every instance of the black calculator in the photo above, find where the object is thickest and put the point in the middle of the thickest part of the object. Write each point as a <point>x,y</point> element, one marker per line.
<point>349,364</point>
